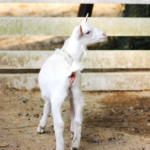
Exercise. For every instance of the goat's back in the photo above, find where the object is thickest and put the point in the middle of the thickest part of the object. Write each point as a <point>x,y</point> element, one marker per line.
<point>53,76</point>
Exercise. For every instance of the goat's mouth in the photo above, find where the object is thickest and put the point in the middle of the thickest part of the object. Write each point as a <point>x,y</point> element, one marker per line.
<point>103,39</point>
<point>72,77</point>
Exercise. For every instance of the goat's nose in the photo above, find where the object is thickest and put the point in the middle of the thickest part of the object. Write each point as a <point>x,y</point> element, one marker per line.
<point>104,34</point>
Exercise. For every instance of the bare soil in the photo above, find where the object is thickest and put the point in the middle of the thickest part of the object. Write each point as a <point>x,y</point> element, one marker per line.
<point>112,121</point>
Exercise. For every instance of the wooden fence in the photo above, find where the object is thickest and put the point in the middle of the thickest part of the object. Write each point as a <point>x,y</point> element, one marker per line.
<point>79,1</point>
<point>103,70</point>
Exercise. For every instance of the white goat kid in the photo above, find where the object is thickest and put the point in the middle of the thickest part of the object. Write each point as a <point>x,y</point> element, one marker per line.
<point>60,77</point>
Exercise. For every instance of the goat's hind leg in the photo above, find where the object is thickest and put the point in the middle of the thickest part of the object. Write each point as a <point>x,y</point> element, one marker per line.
<point>46,111</point>
<point>57,101</point>
<point>72,113</point>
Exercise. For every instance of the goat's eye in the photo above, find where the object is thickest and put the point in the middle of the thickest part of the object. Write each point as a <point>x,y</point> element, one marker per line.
<point>88,32</point>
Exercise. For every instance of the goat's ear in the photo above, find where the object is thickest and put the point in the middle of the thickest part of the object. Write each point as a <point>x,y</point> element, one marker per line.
<point>85,20</point>
<point>79,32</point>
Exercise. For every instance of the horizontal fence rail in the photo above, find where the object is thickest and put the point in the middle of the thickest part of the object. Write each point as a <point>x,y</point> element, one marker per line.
<point>78,1</point>
<point>90,81</point>
<point>14,26</point>
<point>93,60</point>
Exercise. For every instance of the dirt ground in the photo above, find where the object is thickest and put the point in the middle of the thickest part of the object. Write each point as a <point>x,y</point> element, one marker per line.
<point>112,121</point>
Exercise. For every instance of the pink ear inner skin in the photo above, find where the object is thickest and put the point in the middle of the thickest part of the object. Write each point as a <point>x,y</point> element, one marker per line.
<point>72,77</point>
<point>81,31</point>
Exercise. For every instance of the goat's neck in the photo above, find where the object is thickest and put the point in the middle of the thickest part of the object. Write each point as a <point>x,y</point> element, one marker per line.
<point>75,49</point>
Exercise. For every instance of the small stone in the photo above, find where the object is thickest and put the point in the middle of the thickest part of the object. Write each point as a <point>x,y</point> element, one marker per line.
<point>95,141</point>
<point>36,115</point>
<point>19,114</point>
<point>24,101</point>
<point>131,108</point>
<point>110,139</point>
<point>148,124</point>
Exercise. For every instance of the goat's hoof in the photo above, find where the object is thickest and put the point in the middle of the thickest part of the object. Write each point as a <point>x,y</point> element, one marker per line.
<point>74,148</point>
<point>40,130</point>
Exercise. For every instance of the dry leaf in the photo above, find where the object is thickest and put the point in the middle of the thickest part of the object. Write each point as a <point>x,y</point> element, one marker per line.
<point>3,144</point>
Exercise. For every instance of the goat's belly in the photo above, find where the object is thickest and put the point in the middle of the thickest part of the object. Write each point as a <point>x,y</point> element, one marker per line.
<point>72,77</point>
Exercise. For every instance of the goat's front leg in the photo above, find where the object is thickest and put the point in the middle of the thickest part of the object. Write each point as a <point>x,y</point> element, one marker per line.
<point>56,102</point>
<point>77,123</point>
<point>46,111</point>
<point>78,102</point>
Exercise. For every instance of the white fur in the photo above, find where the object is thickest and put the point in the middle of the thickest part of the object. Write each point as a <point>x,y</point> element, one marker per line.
<point>55,85</point>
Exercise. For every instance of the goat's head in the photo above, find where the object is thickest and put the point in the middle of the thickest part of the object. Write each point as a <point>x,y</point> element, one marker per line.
<point>87,34</point>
